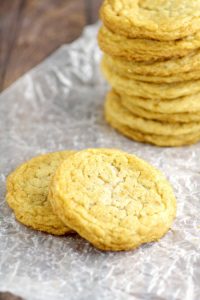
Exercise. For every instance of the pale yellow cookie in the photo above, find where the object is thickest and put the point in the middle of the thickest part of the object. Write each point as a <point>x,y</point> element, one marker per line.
<point>184,76</point>
<point>137,88</point>
<point>188,104</point>
<point>163,68</point>
<point>113,199</point>
<point>143,49</point>
<point>115,109</point>
<point>163,117</point>
<point>157,19</point>
<point>155,139</point>
<point>27,193</point>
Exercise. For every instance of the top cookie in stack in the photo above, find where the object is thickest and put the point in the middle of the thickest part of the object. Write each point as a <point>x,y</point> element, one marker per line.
<point>152,61</point>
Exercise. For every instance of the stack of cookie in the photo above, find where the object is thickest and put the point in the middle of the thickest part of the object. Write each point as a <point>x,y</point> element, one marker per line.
<point>111,198</point>
<point>152,61</point>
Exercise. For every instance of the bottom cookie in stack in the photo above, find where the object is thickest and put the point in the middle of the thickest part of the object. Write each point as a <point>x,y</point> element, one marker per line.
<point>161,133</point>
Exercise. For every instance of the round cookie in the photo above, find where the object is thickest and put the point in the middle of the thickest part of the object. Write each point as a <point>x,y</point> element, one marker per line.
<point>181,77</point>
<point>27,193</point>
<point>156,19</point>
<point>113,199</point>
<point>166,68</point>
<point>163,117</point>
<point>188,104</point>
<point>133,87</point>
<point>155,139</point>
<point>115,109</point>
<point>145,50</point>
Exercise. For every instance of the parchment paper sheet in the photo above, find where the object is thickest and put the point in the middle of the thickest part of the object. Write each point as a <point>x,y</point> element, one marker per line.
<point>59,105</point>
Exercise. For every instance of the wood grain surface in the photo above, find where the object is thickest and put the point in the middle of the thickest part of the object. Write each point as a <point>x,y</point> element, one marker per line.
<point>30,30</point>
<point>9,296</point>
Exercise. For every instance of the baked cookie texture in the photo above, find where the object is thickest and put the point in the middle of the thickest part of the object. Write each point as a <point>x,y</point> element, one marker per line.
<point>145,49</point>
<point>113,199</point>
<point>115,109</point>
<point>188,104</point>
<point>166,117</point>
<point>143,89</point>
<point>163,20</point>
<point>154,139</point>
<point>152,62</point>
<point>119,70</point>
<point>164,68</point>
<point>27,193</point>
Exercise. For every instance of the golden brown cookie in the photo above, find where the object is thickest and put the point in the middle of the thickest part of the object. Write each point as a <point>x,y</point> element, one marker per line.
<point>137,88</point>
<point>156,19</point>
<point>143,49</point>
<point>114,109</point>
<point>113,199</point>
<point>27,192</point>
<point>121,71</point>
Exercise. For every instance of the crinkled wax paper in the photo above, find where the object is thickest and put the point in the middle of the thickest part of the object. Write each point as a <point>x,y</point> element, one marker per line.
<point>59,105</point>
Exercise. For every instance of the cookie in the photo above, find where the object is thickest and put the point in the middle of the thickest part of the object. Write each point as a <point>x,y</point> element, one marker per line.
<point>164,20</point>
<point>115,109</point>
<point>144,49</point>
<point>27,193</point>
<point>184,76</point>
<point>166,68</point>
<point>155,139</point>
<point>113,199</point>
<point>133,87</point>
<point>188,104</point>
<point>166,117</point>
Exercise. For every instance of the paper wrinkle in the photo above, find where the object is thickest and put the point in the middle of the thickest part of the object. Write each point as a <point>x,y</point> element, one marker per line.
<point>59,105</point>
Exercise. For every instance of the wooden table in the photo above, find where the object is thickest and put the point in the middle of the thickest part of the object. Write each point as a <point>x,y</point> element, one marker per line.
<point>30,30</point>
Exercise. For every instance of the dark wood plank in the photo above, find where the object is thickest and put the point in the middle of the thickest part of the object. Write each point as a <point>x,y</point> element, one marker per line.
<point>9,18</point>
<point>92,10</point>
<point>44,26</point>
<point>30,30</point>
<point>9,296</point>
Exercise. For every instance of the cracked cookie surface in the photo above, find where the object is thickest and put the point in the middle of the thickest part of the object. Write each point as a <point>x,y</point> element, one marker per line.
<point>113,199</point>
<point>156,19</point>
<point>27,193</point>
